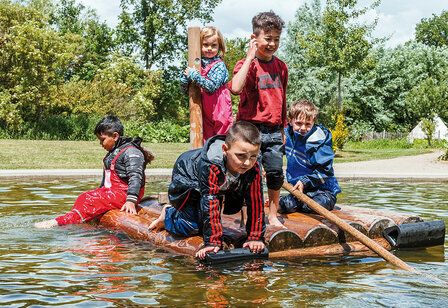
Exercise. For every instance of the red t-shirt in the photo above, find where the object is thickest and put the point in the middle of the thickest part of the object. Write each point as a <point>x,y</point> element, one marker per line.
<point>263,98</point>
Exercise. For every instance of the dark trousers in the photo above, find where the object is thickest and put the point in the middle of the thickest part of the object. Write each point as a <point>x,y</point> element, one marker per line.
<point>290,204</point>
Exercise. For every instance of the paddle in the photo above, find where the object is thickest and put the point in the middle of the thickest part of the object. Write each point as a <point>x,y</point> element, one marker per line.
<point>380,250</point>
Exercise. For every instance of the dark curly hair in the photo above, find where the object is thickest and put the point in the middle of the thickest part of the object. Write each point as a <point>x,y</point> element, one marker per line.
<point>267,21</point>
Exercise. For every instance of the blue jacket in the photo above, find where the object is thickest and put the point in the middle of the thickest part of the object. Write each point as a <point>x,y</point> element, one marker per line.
<point>310,159</point>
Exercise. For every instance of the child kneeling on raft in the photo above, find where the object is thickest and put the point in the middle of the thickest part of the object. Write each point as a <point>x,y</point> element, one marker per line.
<point>309,155</point>
<point>223,174</point>
<point>123,182</point>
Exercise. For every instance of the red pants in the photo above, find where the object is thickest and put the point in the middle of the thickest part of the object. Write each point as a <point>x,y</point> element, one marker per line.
<point>93,203</point>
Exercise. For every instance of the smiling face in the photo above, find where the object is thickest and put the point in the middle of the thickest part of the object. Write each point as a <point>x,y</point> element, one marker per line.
<point>210,46</point>
<point>107,141</point>
<point>267,43</point>
<point>241,156</point>
<point>302,124</point>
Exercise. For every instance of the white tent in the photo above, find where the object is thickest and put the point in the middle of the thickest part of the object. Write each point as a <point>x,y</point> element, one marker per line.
<point>441,131</point>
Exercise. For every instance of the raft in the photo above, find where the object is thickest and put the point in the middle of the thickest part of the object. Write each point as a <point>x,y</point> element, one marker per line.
<point>306,235</point>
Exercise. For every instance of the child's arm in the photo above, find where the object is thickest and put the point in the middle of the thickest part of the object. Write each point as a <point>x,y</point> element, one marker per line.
<point>184,82</point>
<point>134,162</point>
<point>255,226</point>
<point>239,78</point>
<point>210,205</point>
<point>216,77</point>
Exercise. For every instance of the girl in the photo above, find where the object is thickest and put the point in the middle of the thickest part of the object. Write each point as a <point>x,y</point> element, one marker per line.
<point>216,102</point>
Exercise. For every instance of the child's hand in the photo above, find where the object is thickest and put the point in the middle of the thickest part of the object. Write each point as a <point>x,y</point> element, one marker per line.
<point>299,186</point>
<point>254,246</point>
<point>128,207</point>
<point>202,252</point>
<point>252,49</point>
<point>188,69</point>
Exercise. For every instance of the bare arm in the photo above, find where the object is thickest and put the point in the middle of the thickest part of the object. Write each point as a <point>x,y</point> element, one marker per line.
<point>239,79</point>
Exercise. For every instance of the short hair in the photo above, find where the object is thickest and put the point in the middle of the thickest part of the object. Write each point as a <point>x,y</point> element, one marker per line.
<point>267,21</point>
<point>303,107</point>
<point>109,125</point>
<point>243,131</point>
<point>211,31</point>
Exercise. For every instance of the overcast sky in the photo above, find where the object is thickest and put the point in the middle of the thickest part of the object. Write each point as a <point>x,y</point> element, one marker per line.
<point>396,18</point>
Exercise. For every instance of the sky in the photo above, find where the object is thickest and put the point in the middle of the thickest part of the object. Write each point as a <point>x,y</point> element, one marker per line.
<point>396,18</point>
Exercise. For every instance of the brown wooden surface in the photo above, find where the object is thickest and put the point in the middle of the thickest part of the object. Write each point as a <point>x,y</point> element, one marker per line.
<point>194,93</point>
<point>347,228</point>
<point>398,218</point>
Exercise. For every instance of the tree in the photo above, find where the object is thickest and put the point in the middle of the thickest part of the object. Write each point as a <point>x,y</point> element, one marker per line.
<point>428,128</point>
<point>433,31</point>
<point>156,29</point>
<point>339,44</point>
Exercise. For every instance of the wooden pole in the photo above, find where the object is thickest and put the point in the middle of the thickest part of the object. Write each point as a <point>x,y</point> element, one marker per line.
<point>381,251</point>
<point>194,93</point>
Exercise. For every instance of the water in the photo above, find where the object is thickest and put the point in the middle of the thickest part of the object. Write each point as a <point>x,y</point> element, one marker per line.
<point>87,266</point>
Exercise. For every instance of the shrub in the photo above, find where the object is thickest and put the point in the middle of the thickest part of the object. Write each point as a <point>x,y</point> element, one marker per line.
<point>340,133</point>
<point>159,132</point>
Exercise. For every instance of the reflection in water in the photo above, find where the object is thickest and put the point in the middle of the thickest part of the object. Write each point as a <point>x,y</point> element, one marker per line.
<point>85,265</point>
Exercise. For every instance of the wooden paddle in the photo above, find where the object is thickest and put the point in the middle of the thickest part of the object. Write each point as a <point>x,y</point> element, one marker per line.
<point>380,250</point>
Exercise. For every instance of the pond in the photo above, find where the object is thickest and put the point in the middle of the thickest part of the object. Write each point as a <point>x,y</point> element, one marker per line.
<point>85,265</point>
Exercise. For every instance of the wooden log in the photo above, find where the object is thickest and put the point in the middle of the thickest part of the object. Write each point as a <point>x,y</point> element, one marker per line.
<point>352,248</point>
<point>194,93</point>
<point>398,218</point>
<point>311,230</point>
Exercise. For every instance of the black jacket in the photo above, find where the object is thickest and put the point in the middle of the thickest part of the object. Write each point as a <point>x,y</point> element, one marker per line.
<point>199,175</point>
<point>130,165</point>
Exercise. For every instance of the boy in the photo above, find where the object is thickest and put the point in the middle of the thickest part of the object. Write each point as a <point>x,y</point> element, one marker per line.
<point>310,157</point>
<point>223,174</point>
<point>261,79</point>
<point>123,181</point>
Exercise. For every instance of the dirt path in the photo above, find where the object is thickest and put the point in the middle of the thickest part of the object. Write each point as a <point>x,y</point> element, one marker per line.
<point>425,166</point>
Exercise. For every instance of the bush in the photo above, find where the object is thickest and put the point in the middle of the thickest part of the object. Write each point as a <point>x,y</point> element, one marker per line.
<point>359,129</point>
<point>340,133</point>
<point>159,132</point>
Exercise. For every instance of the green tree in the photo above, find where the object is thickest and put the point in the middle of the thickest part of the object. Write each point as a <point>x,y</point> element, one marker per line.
<point>428,128</point>
<point>339,44</point>
<point>156,28</point>
<point>433,31</point>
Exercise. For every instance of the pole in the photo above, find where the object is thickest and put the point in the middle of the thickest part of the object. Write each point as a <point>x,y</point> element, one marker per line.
<point>194,93</point>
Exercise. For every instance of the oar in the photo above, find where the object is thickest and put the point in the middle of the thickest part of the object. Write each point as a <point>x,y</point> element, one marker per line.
<point>380,250</point>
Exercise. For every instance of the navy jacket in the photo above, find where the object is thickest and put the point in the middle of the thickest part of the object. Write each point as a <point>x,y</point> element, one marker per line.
<point>310,159</point>
<point>130,166</point>
<point>199,178</point>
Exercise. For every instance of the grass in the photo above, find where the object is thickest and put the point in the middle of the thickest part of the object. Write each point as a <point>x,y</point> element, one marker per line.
<point>43,154</point>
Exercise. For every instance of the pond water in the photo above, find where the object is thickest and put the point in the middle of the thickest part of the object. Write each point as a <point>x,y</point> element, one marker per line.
<point>84,265</point>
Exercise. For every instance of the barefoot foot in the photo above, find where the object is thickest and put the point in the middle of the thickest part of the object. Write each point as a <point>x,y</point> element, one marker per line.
<point>159,223</point>
<point>273,221</point>
<point>46,224</point>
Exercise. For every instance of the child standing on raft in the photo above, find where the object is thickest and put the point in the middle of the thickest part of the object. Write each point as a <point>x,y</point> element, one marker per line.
<point>223,175</point>
<point>261,80</point>
<point>216,101</point>
<point>123,181</point>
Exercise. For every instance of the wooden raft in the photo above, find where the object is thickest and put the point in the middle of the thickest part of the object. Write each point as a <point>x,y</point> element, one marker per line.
<point>306,234</point>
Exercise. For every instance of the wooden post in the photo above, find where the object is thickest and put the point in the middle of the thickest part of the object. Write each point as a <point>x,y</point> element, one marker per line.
<point>194,93</point>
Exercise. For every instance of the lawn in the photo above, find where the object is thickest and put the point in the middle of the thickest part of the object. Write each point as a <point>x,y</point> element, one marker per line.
<point>43,154</point>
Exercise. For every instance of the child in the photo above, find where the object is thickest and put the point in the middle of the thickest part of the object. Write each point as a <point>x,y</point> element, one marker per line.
<point>310,159</point>
<point>123,181</point>
<point>216,102</point>
<point>223,174</point>
<point>261,80</point>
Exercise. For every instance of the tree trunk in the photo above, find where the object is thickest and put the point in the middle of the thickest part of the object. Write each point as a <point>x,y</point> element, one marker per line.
<point>339,92</point>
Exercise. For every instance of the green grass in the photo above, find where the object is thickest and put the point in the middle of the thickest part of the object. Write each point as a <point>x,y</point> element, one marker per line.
<point>42,154</point>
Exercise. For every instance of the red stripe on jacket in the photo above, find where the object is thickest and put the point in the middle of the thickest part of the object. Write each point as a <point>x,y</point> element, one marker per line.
<point>215,217</point>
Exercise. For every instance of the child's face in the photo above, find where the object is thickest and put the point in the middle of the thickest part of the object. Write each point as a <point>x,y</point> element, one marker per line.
<point>210,46</point>
<point>302,124</point>
<point>107,141</point>
<point>267,43</point>
<point>241,156</point>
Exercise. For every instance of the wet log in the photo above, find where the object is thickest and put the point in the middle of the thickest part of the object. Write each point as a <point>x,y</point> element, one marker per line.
<point>352,248</point>
<point>398,218</point>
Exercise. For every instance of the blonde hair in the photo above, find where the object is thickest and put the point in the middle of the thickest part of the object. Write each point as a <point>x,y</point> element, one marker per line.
<point>303,107</point>
<point>211,31</point>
